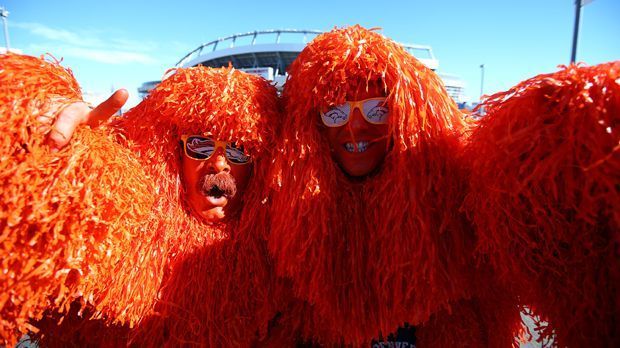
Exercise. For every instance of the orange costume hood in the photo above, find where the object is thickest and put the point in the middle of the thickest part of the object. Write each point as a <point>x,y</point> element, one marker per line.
<point>392,248</point>
<point>224,103</point>
<point>213,289</point>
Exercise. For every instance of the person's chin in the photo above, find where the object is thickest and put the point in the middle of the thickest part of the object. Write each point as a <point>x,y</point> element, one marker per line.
<point>357,165</point>
<point>356,171</point>
<point>214,214</point>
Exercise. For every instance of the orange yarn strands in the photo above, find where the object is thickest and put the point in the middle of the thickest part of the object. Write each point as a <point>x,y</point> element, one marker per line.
<point>369,255</point>
<point>215,292</point>
<point>182,280</point>
<point>545,198</point>
<point>58,216</point>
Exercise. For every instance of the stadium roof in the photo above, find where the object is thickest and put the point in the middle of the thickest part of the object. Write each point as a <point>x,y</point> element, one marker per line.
<point>270,48</point>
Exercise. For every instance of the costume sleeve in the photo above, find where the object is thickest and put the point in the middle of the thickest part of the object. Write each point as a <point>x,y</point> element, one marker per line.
<point>545,196</point>
<point>65,216</point>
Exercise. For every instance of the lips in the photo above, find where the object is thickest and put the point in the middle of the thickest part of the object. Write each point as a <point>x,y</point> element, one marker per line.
<point>217,202</point>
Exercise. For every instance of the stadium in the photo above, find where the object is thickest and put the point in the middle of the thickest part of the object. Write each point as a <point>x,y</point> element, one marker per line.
<point>268,53</point>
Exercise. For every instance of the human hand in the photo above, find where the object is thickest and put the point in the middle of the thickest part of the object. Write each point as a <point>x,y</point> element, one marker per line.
<point>79,113</point>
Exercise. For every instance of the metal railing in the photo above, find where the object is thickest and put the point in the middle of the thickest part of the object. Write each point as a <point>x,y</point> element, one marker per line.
<point>213,45</point>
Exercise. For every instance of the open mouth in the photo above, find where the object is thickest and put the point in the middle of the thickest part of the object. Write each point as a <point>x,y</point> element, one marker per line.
<point>216,192</point>
<point>360,146</point>
<point>216,196</point>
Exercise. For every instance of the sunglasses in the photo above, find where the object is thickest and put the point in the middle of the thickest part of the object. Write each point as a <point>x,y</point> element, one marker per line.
<point>374,110</point>
<point>202,148</point>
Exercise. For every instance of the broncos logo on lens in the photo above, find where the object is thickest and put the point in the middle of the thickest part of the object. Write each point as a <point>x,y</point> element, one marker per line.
<point>374,110</point>
<point>202,148</point>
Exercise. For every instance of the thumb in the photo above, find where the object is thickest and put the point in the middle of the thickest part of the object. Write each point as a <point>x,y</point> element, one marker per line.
<point>109,107</point>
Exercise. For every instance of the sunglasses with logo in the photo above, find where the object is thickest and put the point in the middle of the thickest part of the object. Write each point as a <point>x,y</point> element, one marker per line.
<point>374,110</point>
<point>201,148</point>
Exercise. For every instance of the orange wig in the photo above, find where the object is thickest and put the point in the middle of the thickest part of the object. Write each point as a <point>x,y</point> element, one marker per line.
<point>370,255</point>
<point>545,198</point>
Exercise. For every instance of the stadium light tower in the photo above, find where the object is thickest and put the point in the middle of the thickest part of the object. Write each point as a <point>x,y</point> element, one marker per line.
<point>481,80</point>
<point>5,14</point>
<point>578,5</point>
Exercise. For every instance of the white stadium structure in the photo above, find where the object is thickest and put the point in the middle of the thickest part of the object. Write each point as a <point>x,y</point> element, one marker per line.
<point>269,53</point>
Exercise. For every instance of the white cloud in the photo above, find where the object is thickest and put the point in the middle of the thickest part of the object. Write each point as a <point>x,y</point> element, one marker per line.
<point>62,35</point>
<point>141,46</point>
<point>65,43</point>
<point>109,56</point>
<point>97,55</point>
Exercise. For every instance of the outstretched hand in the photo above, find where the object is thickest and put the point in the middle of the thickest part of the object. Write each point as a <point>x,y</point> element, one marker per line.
<point>80,113</point>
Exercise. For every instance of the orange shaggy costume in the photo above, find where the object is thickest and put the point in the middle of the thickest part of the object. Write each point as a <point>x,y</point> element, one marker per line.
<point>368,256</point>
<point>546,198</point>
<point>213,293</point>
<point>59,220</point>
<point>199,300</point>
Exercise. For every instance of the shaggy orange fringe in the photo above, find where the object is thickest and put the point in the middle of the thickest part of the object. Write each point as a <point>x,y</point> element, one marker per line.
<point>225,103</point>
<point>545,198</point>
<point>58,217</point>
<point>394,248</point>
<point>169,256</point>
<point>216,293</point>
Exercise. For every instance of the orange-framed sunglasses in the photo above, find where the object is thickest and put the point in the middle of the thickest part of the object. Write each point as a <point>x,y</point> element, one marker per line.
<point>374,110</point>
<point>201,148</point>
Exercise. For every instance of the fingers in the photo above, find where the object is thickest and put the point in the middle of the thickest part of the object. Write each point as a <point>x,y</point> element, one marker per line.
<point>50,115</point>
<point>108,108</point>
<point>69,118</point>
<point>80,113</point>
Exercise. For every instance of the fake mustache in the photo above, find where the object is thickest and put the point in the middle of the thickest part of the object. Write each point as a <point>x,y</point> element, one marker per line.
<point>218,185</point>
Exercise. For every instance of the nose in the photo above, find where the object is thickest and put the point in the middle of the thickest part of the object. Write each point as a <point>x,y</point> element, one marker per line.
<point>218,163</point>
<point>357,121</point>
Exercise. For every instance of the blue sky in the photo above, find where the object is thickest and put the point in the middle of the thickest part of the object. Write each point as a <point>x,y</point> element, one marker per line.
<point>113,44</point>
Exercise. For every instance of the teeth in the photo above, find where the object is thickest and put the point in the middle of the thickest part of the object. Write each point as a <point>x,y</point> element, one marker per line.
<point>361,146</point>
